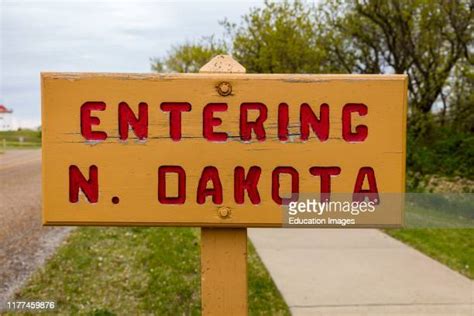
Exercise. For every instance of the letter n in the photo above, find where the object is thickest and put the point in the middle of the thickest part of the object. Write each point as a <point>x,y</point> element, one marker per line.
<point>90,187</point>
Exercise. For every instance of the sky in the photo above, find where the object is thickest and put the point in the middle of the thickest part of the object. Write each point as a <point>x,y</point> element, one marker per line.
<point>94,36</point>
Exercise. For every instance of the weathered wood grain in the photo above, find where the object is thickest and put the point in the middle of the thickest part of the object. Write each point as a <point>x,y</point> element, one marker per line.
<point>224,281</point>
<point>128,169</point>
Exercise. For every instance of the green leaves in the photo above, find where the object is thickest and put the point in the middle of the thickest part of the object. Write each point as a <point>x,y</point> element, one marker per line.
<point>278,38</point>
<point>426,39</point>
<point>189,57</point>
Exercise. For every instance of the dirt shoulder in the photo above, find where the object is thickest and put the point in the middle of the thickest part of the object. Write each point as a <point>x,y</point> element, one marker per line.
<point>24,242</point>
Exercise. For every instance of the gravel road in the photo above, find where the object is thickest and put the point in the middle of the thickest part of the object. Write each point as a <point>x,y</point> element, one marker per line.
<point>24,242</point>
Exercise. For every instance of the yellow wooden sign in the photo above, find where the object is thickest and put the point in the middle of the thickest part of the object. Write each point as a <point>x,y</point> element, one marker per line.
<point>217,149</point>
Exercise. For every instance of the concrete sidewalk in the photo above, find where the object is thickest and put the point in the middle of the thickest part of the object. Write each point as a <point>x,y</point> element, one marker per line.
<point>359,272</point>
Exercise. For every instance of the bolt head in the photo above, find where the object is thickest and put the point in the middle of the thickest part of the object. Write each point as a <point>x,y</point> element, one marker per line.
<point>224,88</point>
<point>224,212</point>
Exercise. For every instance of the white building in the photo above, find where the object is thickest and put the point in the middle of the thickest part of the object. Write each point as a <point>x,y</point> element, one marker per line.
<point>6,122</point>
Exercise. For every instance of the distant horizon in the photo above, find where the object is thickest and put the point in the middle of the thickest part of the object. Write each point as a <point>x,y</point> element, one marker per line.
<point>86,36</point>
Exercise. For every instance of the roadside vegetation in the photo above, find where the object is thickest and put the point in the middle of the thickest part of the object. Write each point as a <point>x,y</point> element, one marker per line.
<point>137,271</point>
<point>443,228</point>
<point>452,246</point>
<point>20,139</point>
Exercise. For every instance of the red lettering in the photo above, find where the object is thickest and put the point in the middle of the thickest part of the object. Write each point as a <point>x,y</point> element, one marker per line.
<point>90,187</point>
<point>372,192</point>
<point>209,174</point>
<point>295,182</point>
<point>162,197</point>
<point>283,118</point>
<point>209,121</point>
<point>325,174</point>
<point>361,131</point>
<point>246,127</point>
<point>87,120</point>
<point>175,109</point>
<point>246,183</point>
<point>308,118</point>
<point>127,117</point>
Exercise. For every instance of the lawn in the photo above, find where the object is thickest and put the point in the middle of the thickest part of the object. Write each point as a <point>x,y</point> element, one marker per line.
<point>20,139</point>
<point>452,246</point>
<point>131,271</point>
<point>443,228</point>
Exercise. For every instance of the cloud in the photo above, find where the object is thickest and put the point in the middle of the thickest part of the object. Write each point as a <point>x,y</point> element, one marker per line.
<point>97,36</point>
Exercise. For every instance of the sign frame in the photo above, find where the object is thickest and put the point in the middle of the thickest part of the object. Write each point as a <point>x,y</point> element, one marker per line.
<point>225,214</point>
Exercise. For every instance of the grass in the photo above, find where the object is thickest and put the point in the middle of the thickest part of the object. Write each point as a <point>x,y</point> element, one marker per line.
<point>453,247</point>
<point>31,139</point>
<point>441,211</point>
<point>132,271</point>
<point>442,227</point>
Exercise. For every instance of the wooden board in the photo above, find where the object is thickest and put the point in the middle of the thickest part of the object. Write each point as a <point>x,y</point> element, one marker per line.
<point>128,169</point>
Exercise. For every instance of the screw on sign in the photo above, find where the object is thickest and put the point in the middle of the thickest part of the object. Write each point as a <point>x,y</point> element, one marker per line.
<point>224,212</point>
<point>225,155</point>
<point>224,88</point>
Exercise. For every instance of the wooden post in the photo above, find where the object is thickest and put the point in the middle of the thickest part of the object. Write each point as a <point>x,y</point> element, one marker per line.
<point>223,250</point>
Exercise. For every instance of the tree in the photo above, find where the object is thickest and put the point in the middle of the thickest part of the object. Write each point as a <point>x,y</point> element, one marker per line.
<point>424,39</point>
<point>280,37</point>
<point>189,57</point>
<point>461,99</point>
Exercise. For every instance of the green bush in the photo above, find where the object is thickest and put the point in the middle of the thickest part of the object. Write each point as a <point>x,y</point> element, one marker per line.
<point>441,151</point>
